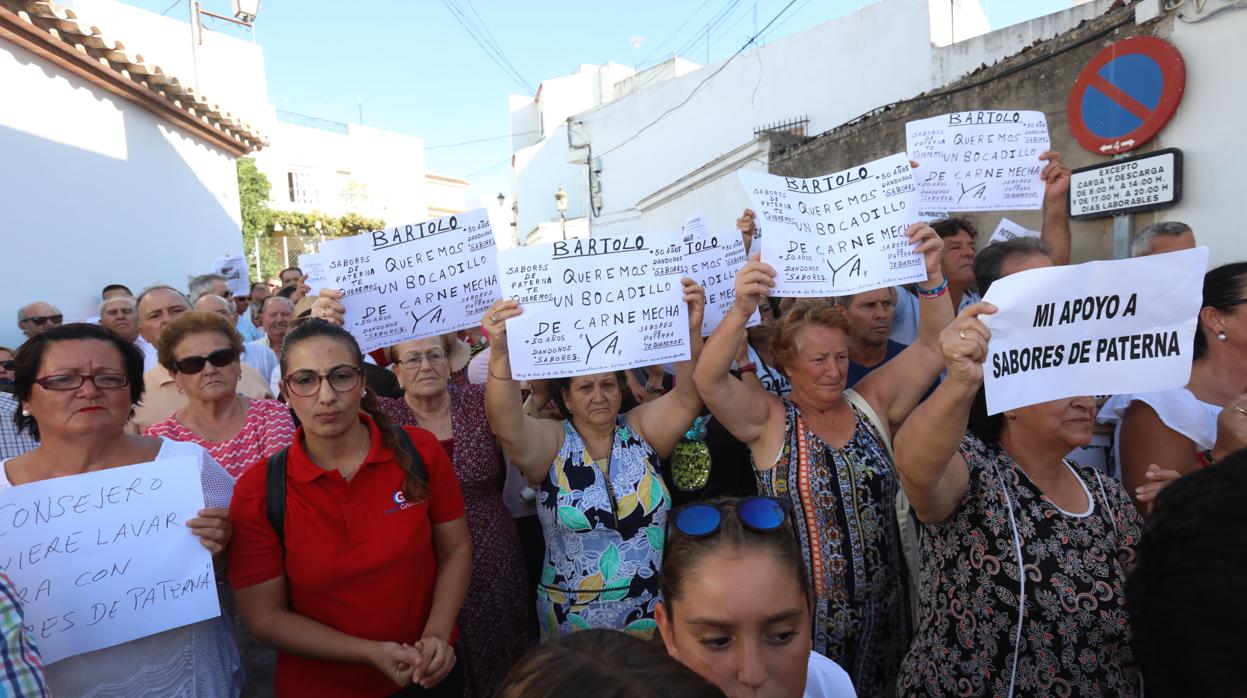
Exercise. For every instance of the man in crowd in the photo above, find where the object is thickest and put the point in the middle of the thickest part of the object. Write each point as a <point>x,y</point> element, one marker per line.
<point>1166,236</point>
<point>217,285</point>
<point>112,291</point>
<point>262,354</point>
<point>36,317</point>
<point>259,291</point>
<point>870,315</point>
<point>959,236</point>
<point>215,304</point>
<point>290,276</point>
<point>120,315</point>
<point>157,306</point>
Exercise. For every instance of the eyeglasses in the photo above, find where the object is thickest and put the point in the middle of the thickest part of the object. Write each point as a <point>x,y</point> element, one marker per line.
<point>435,357</point>
<point>41,320</point>
<point>702,519</point>
<point>8,365</point>
<point>194,364</point>
<point>307,383</point>
<point>73,381</point>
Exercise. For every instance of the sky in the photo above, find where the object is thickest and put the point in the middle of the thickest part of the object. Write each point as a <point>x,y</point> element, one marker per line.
<point>410,66</point>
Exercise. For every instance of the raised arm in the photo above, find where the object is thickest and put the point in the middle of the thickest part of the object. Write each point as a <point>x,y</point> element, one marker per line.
<point>931,469</point>
<point>530,443</point>
<point>661,422</point>
<point>744,408</point>
<point>895,388</point>
<point>1055,232</point>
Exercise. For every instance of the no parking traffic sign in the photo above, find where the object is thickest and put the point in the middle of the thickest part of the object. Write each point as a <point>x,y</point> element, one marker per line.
<point>1124,96</point>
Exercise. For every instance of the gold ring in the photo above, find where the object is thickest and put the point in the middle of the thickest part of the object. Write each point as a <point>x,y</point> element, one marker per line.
<point>493,319</point>
<point>961,333</point>
<point>1239,409</point>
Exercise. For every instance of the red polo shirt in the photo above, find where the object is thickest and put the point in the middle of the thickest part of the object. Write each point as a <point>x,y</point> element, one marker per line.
<point>357,558</point>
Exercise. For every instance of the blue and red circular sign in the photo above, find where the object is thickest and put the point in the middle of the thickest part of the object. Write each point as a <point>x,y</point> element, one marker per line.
<point>1126,94</point>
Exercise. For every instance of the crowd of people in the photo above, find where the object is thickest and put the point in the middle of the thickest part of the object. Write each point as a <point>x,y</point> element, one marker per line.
<point>415,521</point>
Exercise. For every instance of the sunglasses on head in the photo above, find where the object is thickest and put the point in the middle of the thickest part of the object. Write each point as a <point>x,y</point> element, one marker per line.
<point>703,519</point>
<point>42,320</point>
<point>194,364</point>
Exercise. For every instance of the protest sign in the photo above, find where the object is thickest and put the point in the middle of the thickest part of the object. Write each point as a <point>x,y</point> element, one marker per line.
<point>713,262</point>
<point>595,304</point>
<point>1099,328</point>
<point>314,269</point>
<point>979,160</point>
<point>694,227</point>
<point>414,281</point>
<point>234,269</point>
<point>841,233</point>
<point>105,557</point>
<point>1008,230</point>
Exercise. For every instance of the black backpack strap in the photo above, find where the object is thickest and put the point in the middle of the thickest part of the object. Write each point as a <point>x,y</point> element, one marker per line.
<point>417,463</point>
<point>275,495</point>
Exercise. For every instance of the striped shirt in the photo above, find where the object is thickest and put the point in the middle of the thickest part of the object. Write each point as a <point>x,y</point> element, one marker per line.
<point>23,672</point>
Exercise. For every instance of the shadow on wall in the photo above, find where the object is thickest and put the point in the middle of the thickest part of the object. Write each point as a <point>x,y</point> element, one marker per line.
<point>75,220</point>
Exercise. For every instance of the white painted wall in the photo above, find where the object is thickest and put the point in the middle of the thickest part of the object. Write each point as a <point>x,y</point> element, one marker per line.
<point>1210,130</point>
<point>95,189</point>
<point>386,168</point>
<point>535,194</point>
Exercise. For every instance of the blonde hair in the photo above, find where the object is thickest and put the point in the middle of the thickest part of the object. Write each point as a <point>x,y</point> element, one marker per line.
<point>189,323</point>
<point>807,311</point>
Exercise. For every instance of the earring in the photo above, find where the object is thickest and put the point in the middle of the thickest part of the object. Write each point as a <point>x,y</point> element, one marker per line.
<point>365,393</point>
<point>25,413</point>
<point>1221,336</point>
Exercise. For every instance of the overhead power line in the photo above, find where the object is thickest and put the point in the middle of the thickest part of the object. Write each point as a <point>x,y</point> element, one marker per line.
<point>699,85</point>
<point>491,50</point>
<point>480,140</point>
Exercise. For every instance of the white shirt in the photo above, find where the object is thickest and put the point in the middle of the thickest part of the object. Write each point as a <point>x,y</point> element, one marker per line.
<point>1178,409</point>
<point>257,355</point>
<point>825,679</point>
<point>150,359</point>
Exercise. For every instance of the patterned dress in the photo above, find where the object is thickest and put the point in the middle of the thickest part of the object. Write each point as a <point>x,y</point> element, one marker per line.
<point>1075,635</point>
<point>267,429</point>
<point>843,508</point>
<point>604,537</point>
<point>495,623</point>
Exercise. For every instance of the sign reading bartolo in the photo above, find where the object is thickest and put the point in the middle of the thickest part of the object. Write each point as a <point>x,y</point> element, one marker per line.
<point>1128,185</point>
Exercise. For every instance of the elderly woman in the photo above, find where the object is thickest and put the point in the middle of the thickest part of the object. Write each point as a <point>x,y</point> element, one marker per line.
<point>201,351</point>
<point>601,501</point>
<point>77,384</point>
<point>1000,499</point>
<point>496,620</point>
<point>826,450</point>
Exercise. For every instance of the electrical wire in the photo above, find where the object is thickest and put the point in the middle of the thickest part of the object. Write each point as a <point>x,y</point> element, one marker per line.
<point>487,169</point>
<point>499,59</point>
<point>175,4</point>
<point>662,43</point>
<point>480,140</point>
<point>699,85</point>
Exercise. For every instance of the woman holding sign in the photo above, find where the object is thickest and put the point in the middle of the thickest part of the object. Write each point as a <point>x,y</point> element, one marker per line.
<point>78,385</point>
<point>998,499</point>
<point>827,451</point>
<point>601,500</point>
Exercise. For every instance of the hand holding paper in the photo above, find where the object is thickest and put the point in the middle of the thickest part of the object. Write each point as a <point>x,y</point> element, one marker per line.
<point>965,345</point>
<point>754,282</point>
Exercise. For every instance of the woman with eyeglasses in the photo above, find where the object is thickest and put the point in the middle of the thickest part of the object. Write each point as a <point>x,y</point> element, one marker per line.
<point>77,385</point>
<point>496,620</point>
<point>601,497</point>
<point>826,449</point>
<point>737,607</point>
<point>201,351</point>
<point>352,557</point>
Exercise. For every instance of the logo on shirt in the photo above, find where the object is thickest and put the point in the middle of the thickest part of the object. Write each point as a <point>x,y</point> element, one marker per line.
<point>400,500</point>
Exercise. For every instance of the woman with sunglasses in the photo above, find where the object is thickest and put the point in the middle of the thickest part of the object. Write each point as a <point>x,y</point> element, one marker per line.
<point>737,607</point>
<point>496,620</point>
<point>360,590</point>
<point>826,450</point>
<point>201,351</point>
<point>77,385</point>
<point>601,497</point>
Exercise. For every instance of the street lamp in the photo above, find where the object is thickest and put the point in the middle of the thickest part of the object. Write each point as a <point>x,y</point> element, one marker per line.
<point>502,200</point>
<point>560,201</point>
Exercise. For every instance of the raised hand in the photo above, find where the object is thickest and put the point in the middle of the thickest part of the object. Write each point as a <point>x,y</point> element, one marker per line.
<point>754,282</point>
<point>495,323</point>
<point>964,344</point>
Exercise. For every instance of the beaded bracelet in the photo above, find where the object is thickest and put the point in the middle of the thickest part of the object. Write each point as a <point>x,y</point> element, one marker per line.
<point>934,293</point>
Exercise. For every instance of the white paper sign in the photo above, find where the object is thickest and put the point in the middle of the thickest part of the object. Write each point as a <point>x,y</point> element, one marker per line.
<point>595,304</point>
<point>314,269</point>
<point>841,233</point>
<point>979,160</point>
<point>1099,328</point>
<point>694,227</point>
<point>928,216</point>
<point>414,281</point>
<point>713,262</point>
<point>103,558</point>
<point>1008,230</point>
<point>234,269</point>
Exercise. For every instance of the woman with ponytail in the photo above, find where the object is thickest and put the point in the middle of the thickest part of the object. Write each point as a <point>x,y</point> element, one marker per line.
<point>357,568</point>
